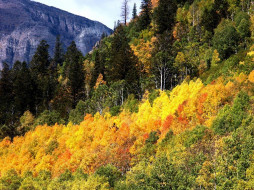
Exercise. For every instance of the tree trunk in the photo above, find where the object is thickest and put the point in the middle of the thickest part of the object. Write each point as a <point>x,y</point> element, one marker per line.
<point>161,72</point>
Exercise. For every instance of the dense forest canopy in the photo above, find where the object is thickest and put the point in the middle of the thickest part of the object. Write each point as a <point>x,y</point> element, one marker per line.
<point>165,102</point>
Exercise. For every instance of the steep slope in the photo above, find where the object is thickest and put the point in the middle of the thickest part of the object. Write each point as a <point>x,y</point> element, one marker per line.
<point>23,24</point>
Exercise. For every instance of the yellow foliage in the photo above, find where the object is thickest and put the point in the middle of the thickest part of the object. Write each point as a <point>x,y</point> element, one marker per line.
<point>215,58</point>
<point>100,140</point>
<point>241,78</point>
<point>252,24</point>
<point>142,48</point>
<point>251,77</point>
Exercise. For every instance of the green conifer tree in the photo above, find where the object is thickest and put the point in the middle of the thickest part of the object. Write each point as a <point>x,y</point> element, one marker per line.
<point>74,72</point>
<point>146,14</point>
<point>40,75</point>
<point>134,12</point>
<point>122,63</point>
<point>165,15</point>
<point>22,88</point>
<point>58,52</point>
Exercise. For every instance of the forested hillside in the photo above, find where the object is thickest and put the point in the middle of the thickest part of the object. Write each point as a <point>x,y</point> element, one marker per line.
<point>165,102</point>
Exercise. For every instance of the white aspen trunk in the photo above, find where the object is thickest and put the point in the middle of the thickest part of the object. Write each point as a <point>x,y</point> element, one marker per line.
<point>161,78</point>
<point>164,85</point>
<point>122,95</point>
<point>164,82</point>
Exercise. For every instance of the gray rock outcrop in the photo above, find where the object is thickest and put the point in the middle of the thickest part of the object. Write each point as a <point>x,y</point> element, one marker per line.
<point>24,23</point>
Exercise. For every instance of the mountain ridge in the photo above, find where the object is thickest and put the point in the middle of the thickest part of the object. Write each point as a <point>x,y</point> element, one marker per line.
<point>30,22</point>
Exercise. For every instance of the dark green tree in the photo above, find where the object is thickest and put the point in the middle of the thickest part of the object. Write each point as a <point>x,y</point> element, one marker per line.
<point>22,88</point>
<point>122,62</point>
<point>6,103</point>
<point>226,39</point>
<point>134,11</point>
<point>242,21</point>
<point>74,72</point>
<point>49,118</point>
<point>166,175</point>
<point>44,83</point>
<point>164,15</point>
<point>41,59</point>
<point>99,66</point>
<point>111,173</point>
<point>77,115</point>
<point>146,14</point>
<point>210,19</point>
<point>222,7</point>
<point>58,52</point>
<point>230,118</point>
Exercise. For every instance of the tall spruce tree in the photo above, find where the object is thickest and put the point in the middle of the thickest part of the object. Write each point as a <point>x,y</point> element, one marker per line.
<point>40,74</point>
<point>58,52</point>
<point>134,11</point>
<point>164,15</point>
<point>99,67</point>
<point>74,72</point>
<point>41,59</point>
<point>210,19</point>
<point>122,63</point>
<point>6,103</point>
<point>146,14</point>
<point>22,88</point>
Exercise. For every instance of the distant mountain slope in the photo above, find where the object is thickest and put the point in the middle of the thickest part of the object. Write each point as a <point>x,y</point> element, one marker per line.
<point>24,23</point>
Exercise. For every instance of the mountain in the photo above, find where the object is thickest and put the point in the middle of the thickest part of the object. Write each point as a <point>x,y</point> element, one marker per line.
<point>24,23</point>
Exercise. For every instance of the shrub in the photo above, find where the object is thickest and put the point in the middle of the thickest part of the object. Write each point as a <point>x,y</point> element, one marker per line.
<point>49,117</point>
<point>111,173</point>
<point>230,118</point>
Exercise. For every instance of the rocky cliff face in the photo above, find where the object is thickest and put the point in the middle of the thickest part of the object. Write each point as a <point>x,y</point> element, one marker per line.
<point>24,23</point>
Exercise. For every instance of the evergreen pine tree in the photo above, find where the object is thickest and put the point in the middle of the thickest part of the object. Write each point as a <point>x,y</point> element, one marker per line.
<point>41,59</point>
<point>6,103</point>
<point>58,52</point>
<point>146,14</point>
<point>122,63</point>
<point>40,75</point>
<point>134,12</point>
<point>210,19</point>
<point>22,88</point>
<point>99,67</point>
<point>165,15</point>
<point>221,6</point>
<point>74,72</point>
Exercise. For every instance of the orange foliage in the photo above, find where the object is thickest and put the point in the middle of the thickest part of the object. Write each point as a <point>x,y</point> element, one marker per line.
<point>155,2</point>
<point>101,140</point>
<point>167,124</point>
<point>99,81</point>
